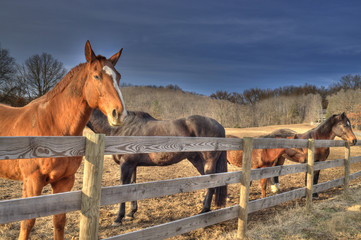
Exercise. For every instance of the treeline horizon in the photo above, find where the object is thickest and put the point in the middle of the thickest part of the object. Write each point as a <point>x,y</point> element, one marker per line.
<point>254,95</point>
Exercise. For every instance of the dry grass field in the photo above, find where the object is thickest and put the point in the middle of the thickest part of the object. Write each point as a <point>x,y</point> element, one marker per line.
<point>334,216</point>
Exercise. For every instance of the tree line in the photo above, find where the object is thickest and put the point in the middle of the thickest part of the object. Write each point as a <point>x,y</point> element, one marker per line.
<point>254,95</point>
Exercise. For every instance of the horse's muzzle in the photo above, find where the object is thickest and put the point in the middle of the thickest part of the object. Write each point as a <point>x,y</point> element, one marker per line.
<point>117,118</point>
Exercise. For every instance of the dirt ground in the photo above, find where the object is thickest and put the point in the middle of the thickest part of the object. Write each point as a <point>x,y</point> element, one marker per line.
<point>168,208</point>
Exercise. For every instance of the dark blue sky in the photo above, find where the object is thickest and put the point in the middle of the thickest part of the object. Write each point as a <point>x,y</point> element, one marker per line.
<point>201,46</point>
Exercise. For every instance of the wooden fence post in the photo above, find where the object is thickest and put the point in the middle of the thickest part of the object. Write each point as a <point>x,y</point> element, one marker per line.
<point>90,199</point>
<point>310,167</point>
<point>347,168</point>
<point>245,183</point>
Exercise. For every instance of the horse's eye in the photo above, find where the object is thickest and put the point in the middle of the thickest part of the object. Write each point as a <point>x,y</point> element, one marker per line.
<point>96,77</point>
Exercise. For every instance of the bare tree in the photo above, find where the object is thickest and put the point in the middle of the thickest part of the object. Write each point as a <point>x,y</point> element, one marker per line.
<point>7,73</point>
<point>41,73</point>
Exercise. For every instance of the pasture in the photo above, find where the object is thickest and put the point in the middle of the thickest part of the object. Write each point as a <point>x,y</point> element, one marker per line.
<point>168,208</point>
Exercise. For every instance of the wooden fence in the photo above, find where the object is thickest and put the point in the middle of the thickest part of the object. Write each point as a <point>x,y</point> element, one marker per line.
<point>92,196</point>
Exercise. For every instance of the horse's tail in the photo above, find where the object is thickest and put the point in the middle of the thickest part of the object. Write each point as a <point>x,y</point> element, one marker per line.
<point>221,192</point>
<point>116,159</point>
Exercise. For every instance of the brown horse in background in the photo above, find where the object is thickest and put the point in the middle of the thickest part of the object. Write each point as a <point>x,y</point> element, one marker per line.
<point>262,158</point>
<point>338,125</point>
<point>63,111</point>
<point>142,124</point>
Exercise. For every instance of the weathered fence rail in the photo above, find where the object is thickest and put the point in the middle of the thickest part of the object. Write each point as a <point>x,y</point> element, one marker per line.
<point>35,147</point>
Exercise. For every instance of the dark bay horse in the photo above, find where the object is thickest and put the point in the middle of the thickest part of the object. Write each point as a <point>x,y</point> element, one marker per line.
<point>63,111</point>
<point>262,158</point>
<point>337,125</point>
<point>143,124</point>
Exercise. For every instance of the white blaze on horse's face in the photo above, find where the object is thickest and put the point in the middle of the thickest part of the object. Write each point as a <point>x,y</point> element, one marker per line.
<point>348,123</point>
<point>111,73</point>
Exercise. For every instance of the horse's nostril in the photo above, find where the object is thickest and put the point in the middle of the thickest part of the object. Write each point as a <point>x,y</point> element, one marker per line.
<point>114,113</point>
<point>354,141</point>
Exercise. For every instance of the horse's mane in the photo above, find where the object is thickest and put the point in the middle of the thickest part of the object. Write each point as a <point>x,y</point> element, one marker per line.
<point>67,79</point>
<point>134,121</point>
<point>325,126</point>
<point>138,116</point>
<point>61,85</point>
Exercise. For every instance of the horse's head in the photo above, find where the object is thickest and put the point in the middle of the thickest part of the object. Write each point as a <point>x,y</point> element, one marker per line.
<point>102,86</point>
<point>342,128</point>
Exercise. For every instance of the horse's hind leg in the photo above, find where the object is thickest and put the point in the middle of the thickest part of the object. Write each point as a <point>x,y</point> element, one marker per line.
<point>63,185</point>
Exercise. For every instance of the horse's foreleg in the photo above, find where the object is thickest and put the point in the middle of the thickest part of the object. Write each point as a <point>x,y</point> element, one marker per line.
<point>134,204</point>
<point>263,183</point>
<point>32,186</point>
<point>316,175</point>
<point>63,185</point>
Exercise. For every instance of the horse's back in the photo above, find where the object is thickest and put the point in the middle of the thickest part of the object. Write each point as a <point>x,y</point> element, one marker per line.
<point>281,133</point>
<point>201,126</point>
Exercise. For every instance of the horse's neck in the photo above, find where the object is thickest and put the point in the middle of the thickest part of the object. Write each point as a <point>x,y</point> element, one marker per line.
<point>322,132</point>
<point>67,111</point>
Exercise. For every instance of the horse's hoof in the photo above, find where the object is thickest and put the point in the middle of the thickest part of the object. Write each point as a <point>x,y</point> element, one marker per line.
<point>128,218</point>
<point>275,188</point>
<point>204,211</point>
<point>116,224</point>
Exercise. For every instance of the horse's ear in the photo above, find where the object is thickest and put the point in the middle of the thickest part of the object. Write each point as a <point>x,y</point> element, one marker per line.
<point>89,54</point>
<point>343,115</point>
<point>115,57</point>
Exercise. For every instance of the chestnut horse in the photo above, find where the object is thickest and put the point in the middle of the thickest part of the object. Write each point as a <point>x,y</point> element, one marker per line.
<point>142,124</point>
<point>63,111</point>
<point>338,125</point>
<point>261,158</point>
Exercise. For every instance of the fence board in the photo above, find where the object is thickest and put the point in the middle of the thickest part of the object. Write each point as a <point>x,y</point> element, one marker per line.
<point>329,143</point>
<point>41,147</point>
<point>131,192</point>
<point>355,159</point>
<point>271,201</point>
<point>321,187</point>
<point>148,144</point>
<point>355,175</point>
<point>268,172</point>
<point>181,226</point>
<point>26,208</point>
<point>329,164</point>
<point>261,143</point>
